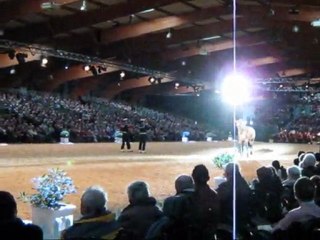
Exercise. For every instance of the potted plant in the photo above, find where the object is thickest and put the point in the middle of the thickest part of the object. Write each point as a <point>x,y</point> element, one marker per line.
<point>64,136</point>
<point>220,161</point>
<point>48,209</point>
<point>223,159</point>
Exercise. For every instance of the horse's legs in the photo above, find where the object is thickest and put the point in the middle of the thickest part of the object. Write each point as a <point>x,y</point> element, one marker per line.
<point>250,147</point>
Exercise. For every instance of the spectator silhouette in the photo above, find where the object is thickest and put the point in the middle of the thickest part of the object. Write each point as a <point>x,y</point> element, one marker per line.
<point>205,205</point>
<point>11,226</point>
<point>178,208</point>
<point>243,196</point>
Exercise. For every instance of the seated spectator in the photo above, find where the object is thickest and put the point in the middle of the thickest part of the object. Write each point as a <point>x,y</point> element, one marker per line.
<point>268,189</point>
<point>243,196</point>
<point>280,170</point>
<point>97,221</point>
<point>304,192</point>
<point>142,211</point>
<point>11,226</point>
<point>308,165</point>
<point>172,206</point>
<point>316,182</point>
<point>317,156</point>
<point>205,204</point>
<point>288,199</point>
<point>294,174</point>
<point>177,208</point>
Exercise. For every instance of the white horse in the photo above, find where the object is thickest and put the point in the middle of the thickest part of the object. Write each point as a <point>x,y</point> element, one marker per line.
<point>246,136</point>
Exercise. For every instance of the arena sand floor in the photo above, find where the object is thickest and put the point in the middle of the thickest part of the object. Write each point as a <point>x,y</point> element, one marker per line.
<point>103,164</point>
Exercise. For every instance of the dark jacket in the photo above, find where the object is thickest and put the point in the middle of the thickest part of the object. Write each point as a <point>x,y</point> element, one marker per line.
<point>17,230</point>
<point>243,196</point>
<point>100,227</point>
<point>137,217</point>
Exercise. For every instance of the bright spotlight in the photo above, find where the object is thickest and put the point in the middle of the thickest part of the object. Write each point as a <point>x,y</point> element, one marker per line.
<point>236,89</point>
<point>12,71</point>
<point>86,68</point>
<point>122,74</point>
<point>44,62</point>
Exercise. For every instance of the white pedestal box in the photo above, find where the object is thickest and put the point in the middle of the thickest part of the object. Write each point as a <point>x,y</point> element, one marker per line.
<point>184,139</point>
<point>218,181</point>
<point>52,222</point>
<point>209,139</point>
<point>64,140</point>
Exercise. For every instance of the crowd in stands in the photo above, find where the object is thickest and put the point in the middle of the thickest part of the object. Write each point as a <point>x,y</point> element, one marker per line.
<point>27,116</point>
<point>279,204</point>
<point>293,120</point>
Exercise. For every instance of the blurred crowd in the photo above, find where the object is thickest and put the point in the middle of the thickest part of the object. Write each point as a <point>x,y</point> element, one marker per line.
<point>28,116</point>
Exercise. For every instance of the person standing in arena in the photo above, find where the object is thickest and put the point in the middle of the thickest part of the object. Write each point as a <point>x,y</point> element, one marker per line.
<point>142,136</point>
<point>125,138</point>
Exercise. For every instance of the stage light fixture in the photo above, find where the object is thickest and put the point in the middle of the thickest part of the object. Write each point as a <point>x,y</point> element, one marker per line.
<point>83,6</point>
<point>12,71</point>
<point>122,74</point>
<point>176,85</point>
<point>236,89</point>
<point>12,54</point>
<point>66,67</point>
<point>183,63</point>
<point>86,68</point>
<point>21,57</point>
<point>93,70</point>
<point>44,61</point>
<point>101,69</point>
<point>152,80</point>
<point>169,34</point>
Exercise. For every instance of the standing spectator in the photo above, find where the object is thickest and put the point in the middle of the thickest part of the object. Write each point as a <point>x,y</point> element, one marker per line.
<point>11,226</point>
<point>97,221</point>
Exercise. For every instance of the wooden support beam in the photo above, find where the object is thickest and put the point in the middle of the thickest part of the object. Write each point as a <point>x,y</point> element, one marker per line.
<point>113,89</point>
<point>21,8</point>
<point>82,19</point>
<point>207,48</point>
<point>139,29</point>
<point>73,73</point>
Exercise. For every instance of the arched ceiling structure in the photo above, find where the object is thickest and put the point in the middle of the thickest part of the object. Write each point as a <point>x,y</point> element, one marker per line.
<point>190,39</point>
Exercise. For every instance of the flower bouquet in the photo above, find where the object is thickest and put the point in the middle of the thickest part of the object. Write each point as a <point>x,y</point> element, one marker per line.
<point>51,189</point>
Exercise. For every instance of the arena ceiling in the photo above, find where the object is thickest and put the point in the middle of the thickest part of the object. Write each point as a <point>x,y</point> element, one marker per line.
<point>191,41</point>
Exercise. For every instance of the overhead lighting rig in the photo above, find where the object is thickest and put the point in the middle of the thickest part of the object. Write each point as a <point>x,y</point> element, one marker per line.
<point>50,52</point>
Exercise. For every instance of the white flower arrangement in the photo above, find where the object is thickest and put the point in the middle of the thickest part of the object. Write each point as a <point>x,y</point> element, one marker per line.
<point>51,189</point>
